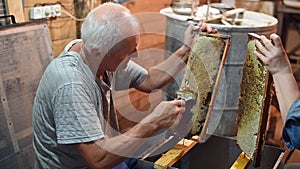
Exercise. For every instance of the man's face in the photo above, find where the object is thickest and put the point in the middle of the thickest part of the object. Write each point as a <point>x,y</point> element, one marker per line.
<point>119,56</point>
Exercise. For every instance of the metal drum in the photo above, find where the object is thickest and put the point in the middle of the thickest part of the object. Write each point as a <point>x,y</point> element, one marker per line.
<point>226,103</point>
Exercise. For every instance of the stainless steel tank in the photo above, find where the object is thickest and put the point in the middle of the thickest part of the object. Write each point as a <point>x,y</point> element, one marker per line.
<point>184,7</point>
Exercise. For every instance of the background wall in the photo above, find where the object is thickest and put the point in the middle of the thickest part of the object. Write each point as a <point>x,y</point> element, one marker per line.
<point>61,30</point>
<point>65,28</point>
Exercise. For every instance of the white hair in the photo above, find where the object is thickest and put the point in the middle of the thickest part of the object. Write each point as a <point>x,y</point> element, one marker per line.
<point>107,25</point>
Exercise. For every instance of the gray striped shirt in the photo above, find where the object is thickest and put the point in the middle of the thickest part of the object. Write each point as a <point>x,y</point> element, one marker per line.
<point>68,109</point>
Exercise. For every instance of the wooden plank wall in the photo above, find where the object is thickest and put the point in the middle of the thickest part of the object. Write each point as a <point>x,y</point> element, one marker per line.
<point>14,7</point>
<point>62,29</point>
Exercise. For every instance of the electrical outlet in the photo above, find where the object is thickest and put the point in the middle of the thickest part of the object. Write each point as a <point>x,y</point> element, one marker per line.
<point>36,12</point>
<point>45,11</point>
<point>56,10</point>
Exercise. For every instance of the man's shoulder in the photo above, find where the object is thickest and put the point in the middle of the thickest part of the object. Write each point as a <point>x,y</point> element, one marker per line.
<point>67,61</point>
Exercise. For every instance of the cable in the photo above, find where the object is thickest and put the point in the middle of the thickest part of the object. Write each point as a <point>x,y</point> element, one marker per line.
<point>71,16</point>
<point>90,4</point>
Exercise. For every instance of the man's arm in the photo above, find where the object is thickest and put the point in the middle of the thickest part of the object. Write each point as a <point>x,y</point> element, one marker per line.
<point>164,72</point>
<point>109,152</point>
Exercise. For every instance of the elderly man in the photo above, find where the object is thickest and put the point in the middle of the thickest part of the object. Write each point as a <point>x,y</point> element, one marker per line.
<point>74,120</point>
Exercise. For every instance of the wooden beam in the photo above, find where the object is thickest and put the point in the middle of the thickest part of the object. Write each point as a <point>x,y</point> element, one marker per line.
<point>9,121</point>
<point>24,133</point>
<point>81,11</point>
<point>15,7</point>
<point>176,153</point>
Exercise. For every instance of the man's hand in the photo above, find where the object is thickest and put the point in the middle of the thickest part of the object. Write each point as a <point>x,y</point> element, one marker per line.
<point>167,114</point>
<point>191,31</point>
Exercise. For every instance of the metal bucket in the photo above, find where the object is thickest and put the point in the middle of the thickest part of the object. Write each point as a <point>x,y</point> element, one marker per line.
<point>225,107</point>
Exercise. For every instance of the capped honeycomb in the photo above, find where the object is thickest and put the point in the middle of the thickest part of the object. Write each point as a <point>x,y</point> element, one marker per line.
<point>253,106</point>
<point>202,74</point>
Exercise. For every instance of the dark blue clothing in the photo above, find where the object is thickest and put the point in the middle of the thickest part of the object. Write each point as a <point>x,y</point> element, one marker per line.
<point>291,130</point>
<point>127,164</point>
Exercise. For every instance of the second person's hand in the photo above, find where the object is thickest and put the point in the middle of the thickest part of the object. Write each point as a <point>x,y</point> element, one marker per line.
<point>271,52</point>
